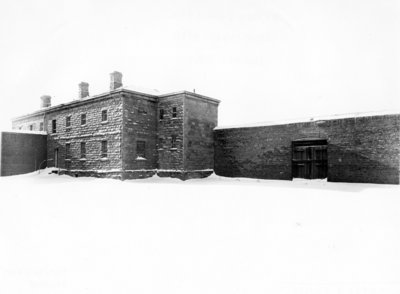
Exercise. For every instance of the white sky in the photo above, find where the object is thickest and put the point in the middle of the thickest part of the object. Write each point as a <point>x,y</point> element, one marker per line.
<point>264,59</point>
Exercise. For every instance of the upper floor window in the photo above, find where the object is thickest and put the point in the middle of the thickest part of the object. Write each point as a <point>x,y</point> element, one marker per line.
<point>41,126</point>
<point>68,121</point>
<point>141,149</point>
<point>142,110</point>
<point>104,115</point>
<point>161,113</point>
<point>83,119</point>
<point>174,111</point>
<point>54,126</point>
<point>104,148</point>
<point>83,150</point>
<point>68,151</point>
<point>31,127</point>
<point>173,141</point>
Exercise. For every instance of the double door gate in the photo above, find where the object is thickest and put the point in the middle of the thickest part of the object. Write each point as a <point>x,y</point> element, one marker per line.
<point>310,159</point>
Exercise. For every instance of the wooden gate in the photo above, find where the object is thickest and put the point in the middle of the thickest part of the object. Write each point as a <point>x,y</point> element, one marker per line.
<point>310,159</point>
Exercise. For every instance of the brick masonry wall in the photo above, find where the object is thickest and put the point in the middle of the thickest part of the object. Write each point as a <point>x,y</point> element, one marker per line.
<point>21,153</point>
<point>92,133</point>
<point>139,124</point>
<point>364,149</point>
<point>170,158</point>
<point>201,117</point>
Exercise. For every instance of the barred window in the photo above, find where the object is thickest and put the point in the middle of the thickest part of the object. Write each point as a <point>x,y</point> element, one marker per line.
<point>68,121</point>
<point>104,149</point>
<point>141,149</point>
<point>174,111</point>
<point>54,126</point>
<point>173,141</point>
<point>104,115</point>
<point>161,113</point>
<point>83,150</point>
<point>83,119</point>
<point>68,151</point>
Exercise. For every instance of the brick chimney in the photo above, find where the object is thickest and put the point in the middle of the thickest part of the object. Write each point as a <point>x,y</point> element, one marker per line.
<point>115,80</point>
<point>45,101</point>
<point>83,90</point>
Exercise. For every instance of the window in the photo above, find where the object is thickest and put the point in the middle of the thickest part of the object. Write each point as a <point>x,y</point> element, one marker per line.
<point>68,121</point>
<point>31,127</point>
<point>173,141</point>
<point>142,110</point>
<point>68,151</point>
<point>83,119</point>
<point>161,113</point>
<point>83,150</point>
<point>41,126</point>
<point>141,149</point>
<point>173,111</point>
<point>104,115</point>
<point>54,126</point>
<point>160,143</point>
<point>104,149</point>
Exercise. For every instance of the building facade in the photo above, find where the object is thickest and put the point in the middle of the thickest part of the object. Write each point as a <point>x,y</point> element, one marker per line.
<point>128,134</point>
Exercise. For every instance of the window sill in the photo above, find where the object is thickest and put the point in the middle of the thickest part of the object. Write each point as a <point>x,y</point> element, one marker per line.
<point>104,159</point>
<point>141,158</point>
<point>68,159</point>
<point>104,122</point>
<point>173,149</point>
<point>82,159</point>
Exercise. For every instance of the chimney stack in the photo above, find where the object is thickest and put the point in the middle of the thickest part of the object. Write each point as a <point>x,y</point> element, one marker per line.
<point>45,101</point>
<point>115,80</point>
<point>83,90</point>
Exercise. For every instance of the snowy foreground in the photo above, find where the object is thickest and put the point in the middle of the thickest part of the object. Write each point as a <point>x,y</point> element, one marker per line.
<point>60,234</point>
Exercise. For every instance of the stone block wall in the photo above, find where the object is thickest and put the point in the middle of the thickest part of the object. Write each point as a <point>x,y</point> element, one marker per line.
<point>25,122</point>
<point>200,118</point>
<point>21,153</point>
<point>139,124</point>
<point>362,149</point>
<point>92,133</point>
<point>170,157</point>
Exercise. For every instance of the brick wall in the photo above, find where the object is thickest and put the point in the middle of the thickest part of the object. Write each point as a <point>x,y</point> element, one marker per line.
<point>21,153</point>
<point>364,149</point>
<point>201,117</point>
<point>170,157</point>
<point>139,124</point>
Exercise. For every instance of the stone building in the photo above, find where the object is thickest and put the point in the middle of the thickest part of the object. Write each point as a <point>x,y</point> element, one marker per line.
<point>132,134</point>
<point>127,134</point>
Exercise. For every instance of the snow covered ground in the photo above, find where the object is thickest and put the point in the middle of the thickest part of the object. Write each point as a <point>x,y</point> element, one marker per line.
<point>60,234</point>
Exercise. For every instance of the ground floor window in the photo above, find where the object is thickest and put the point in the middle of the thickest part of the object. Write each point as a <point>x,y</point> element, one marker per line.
<point>104,148</point>
<point>141,149</point>
<point>68,151</point>
<point>83,150</point>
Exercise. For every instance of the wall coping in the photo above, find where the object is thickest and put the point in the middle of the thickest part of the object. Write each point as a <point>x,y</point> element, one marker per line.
<point>316,119</point>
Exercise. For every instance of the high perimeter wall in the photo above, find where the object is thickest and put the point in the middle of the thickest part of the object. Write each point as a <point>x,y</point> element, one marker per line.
<point>21,153</point>
<point>362,149</point>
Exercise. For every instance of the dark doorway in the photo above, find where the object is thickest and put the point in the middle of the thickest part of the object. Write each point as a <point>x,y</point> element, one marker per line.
<point>310,159</point>
<point>56,157</point>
